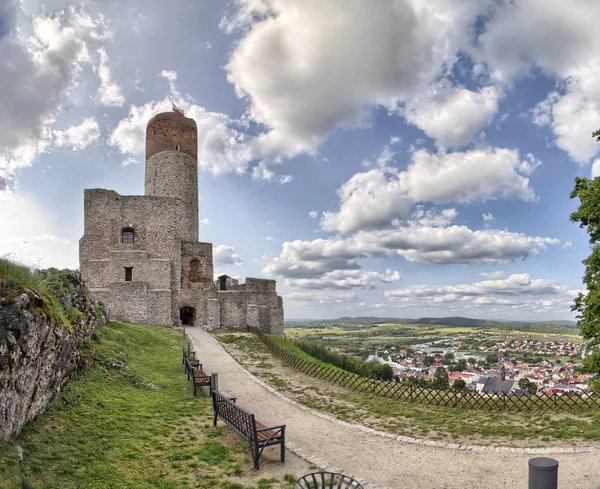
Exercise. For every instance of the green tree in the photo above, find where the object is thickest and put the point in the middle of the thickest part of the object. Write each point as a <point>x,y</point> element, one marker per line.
<point>459,384</point>
<point>440,379</point>
<point>528,386</point>
<point>449,356</point>
<point>588,306</point>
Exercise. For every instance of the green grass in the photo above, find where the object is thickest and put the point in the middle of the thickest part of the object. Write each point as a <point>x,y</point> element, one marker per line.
<point>129,422</point>
<point>45,288</point>
<point>420,420</point>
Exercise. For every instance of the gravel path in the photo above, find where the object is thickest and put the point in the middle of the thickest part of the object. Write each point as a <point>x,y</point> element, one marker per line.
<point>378,459</point>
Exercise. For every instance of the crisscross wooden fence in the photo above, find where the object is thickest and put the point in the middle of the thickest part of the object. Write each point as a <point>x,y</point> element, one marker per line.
<point>464,399</point>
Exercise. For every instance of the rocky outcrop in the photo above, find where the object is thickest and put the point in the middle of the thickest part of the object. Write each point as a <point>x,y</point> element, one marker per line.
<point>39,344</point>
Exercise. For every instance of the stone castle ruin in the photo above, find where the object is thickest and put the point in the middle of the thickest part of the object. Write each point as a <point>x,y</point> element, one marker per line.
<point>140,254</point>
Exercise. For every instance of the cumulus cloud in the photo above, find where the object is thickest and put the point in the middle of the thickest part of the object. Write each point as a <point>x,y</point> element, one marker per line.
<point>293,64</point>
<point>563,43</point>
<point>109,92</point>
<point>452,116</point>
<point>376,198</point>
<point>226,255</point>
<point>345,280</point>
<point>79,137</point>
<point>204,222</point>
<point>518,291</point>
<point>37,73</point>
<point>477,175</point>
<point>313,214</point>
<point>440,245</point>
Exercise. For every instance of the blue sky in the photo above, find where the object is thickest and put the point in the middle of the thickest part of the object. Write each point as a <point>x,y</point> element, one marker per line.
<point>409,159</point>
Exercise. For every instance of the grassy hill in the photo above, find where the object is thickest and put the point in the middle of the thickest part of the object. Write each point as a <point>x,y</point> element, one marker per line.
<point>129,422</point>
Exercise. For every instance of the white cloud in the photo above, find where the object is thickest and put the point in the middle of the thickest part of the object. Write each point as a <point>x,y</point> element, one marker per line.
<point>452,116</point>
<point>263,172</point>
<point>109,92</point>
<point>269,238</point>
<point>492,275</point>
<point>345,280</point>
<point>377,198</point>
<point>324,74</point>
<point>129,161</point>
<point>440,245</point>
<point>320,298</point>
<point>37,73</point>
<point>226,255</point>
<point>477,175</point>
<point>596,168</point>
<point>563,43</point>
<point>204,222</point>
<point>313,214</point>
<point>28,235</point>
<point>488,219</point>
<point>518,291</point>
<point>79,137</point>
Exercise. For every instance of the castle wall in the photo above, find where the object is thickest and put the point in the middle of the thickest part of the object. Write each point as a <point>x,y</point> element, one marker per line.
<point>196,266</point>
<point>156,221</point>
<point>233,309</point>
<point>213,314</point>
<point>170,268</point>
<point>260,285</point>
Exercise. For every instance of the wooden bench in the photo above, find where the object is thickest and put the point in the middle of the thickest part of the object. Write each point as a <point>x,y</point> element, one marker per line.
<point>199,378</point>
<point>257,434</point>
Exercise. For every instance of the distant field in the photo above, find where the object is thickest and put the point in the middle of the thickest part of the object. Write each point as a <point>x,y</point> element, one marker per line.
<point>361,338</point>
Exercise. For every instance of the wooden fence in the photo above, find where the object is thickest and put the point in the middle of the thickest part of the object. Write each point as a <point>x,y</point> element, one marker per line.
<point>464,399</point>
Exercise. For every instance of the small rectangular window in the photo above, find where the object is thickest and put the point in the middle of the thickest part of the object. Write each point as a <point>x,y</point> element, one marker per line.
<point>128,274</point>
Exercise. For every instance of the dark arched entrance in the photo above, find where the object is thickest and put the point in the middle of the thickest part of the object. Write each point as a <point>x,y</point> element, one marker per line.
<point>187,316</point>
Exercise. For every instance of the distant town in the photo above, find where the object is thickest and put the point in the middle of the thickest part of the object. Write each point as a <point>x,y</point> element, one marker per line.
<point>488,361</point>
<point>422,361</point>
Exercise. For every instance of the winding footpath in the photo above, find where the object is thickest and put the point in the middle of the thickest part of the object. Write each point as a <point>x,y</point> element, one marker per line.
<point>382,460</point>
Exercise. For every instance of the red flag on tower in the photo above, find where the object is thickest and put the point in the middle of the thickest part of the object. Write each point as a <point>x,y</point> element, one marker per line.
<point>176,109</point>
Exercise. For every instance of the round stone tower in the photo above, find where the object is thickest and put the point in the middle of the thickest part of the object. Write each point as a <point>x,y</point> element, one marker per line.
<point>172,165</point>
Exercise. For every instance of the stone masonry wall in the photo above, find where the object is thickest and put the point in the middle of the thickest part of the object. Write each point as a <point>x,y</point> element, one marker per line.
<point>156,221</point>
<point>196,266</point>
<point>166,130</point>
<point>174,175</point>
<point>260,285</point>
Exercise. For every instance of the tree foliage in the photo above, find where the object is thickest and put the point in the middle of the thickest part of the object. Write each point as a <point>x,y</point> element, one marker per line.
<point>587,305</point>
<point>528,386</point>
<point>374,370</point>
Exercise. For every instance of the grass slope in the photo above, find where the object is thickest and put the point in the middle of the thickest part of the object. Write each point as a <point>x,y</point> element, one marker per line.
<point>130,422</point>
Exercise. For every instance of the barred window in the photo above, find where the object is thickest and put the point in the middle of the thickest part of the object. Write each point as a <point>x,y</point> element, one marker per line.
<point>127,235</point>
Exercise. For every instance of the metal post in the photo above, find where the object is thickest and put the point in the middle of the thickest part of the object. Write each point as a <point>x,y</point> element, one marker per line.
<point>543,473</point>
<point>214,382</point>
<point>189,351</point>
